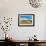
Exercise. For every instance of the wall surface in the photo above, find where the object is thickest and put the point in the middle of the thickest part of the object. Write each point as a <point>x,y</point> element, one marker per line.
<point>11,8</point>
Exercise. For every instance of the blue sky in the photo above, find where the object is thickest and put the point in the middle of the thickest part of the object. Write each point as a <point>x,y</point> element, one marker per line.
<point>26,17</point>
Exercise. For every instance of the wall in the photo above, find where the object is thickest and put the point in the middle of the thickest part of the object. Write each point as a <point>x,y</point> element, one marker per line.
<point>11,8</point>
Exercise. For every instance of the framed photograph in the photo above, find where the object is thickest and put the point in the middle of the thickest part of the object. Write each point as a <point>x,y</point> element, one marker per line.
<point>26,19</point>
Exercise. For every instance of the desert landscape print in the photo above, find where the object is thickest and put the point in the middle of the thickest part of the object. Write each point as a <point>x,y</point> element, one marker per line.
<point>26,20</point>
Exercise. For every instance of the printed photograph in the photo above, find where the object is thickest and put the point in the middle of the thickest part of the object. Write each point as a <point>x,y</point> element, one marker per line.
<point>26,19</point>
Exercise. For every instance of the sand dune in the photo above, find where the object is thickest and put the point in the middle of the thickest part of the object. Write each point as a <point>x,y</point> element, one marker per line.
<point>26,22</point>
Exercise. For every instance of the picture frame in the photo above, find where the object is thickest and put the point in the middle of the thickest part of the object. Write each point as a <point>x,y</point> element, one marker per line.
<point>26,19</point>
